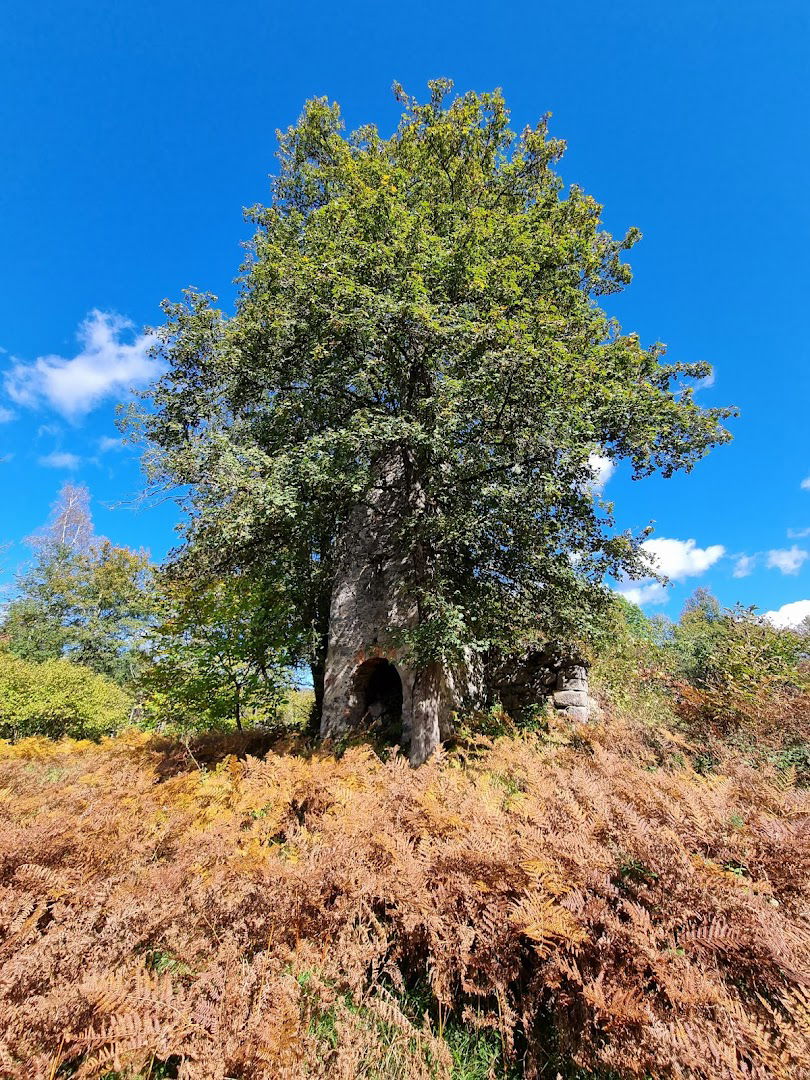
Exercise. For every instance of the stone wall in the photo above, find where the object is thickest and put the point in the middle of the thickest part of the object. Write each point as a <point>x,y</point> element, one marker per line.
<point>521,682</point>
<point>373,601</point>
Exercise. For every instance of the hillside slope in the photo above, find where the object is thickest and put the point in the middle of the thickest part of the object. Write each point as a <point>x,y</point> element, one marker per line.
<point>550,903</point>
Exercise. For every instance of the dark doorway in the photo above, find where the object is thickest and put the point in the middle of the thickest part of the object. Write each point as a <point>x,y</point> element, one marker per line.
<point>379,698</point>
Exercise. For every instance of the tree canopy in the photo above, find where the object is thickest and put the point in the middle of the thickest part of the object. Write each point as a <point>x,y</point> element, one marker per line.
<point>217,652</point>
<point>433,295</point>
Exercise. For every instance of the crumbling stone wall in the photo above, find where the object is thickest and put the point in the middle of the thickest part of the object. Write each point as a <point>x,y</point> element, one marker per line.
<point>524,680</point>
<point>372,602</point>
<point>571,692</point>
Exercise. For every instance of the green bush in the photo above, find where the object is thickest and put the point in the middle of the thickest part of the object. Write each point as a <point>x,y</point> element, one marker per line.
<point>632,662</point>
<point>739,676</point>
<point>56,698</point>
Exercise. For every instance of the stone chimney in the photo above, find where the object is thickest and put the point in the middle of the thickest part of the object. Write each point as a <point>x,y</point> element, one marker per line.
<point>369,682</point>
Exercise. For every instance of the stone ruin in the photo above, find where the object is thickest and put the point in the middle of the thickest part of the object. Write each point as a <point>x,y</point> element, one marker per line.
<point>369,683</point>
<point>522,681</point>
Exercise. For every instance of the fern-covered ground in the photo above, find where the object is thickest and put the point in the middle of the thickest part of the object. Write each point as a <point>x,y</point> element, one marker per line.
<point>570,901</point>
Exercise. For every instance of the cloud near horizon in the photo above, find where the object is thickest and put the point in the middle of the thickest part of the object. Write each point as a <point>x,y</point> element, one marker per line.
<point>789,615</point>
<point>105,366</point>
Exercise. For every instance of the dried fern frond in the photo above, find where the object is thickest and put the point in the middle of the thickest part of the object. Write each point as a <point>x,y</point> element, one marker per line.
<point>269,918</point>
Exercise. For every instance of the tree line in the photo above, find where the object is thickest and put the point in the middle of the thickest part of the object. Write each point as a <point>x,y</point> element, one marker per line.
<point>95,636</point>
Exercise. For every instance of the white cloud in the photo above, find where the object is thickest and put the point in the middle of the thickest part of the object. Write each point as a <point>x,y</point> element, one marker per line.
<point>106,444</point>
<point>798,534</point>
<point>789,614</point>
<point>5,415</point>
<point>744,566</point>
<point>60,459</point>
<point>650,592</point>
<point>805,484</point>
<point>788,560</point>
<point>679,559</point>
<point>105,366</point>
<point>602,468</point>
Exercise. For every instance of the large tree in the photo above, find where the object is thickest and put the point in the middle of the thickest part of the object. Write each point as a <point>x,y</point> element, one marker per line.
<point>432,297</point>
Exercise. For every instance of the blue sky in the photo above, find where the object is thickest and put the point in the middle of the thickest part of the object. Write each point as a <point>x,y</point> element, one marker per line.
<point>134,134</point>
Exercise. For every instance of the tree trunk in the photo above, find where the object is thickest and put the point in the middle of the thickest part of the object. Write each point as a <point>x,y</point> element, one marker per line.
<point>321,608</point>
<point>318,668</point>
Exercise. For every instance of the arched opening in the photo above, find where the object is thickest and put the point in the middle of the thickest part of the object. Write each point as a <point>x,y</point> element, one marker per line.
<point>378,694</point>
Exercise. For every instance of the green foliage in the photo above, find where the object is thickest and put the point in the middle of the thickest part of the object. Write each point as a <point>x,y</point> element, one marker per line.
<point>494,721</point>
<point>295,709</point>
<point>735,649</point>
<point>726,675</point>
<point>477,1054</point>
<point>794,757</point>
<point>83,598</point>
<point>163,962</point>
<point>629,659</point>
<point>57,698</point>
<point>746,674</point>
<point>430,298</point>
<point>217,654</point>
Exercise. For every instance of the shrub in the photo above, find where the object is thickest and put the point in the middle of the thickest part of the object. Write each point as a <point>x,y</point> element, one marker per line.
<point>631,667</point>
<point>722,676</point>
<point>737,675</point>
<point>57,698</point>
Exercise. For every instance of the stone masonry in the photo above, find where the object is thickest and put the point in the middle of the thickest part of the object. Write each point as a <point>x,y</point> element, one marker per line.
<point>536,676</point>
<point>369,682</point>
